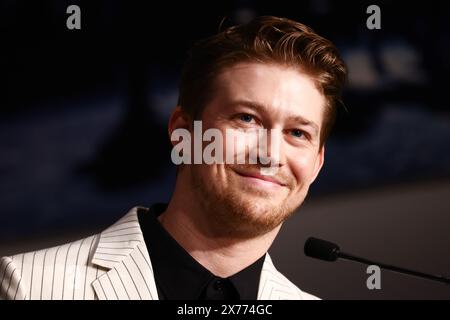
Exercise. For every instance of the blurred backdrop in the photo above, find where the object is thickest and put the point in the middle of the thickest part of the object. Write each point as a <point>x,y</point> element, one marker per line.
<point>83,133</point>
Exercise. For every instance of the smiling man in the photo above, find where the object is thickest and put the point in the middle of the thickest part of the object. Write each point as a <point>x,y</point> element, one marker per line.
<point>211,240</point>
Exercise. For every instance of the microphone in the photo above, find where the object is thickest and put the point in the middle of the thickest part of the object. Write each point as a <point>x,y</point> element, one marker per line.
<point>328,251</point>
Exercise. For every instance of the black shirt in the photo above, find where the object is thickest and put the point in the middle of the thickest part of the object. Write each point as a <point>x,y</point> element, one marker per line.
<point>179,276</point>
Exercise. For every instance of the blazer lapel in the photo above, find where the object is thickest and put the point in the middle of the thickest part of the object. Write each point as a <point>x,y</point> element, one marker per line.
<point>273,285</point>
<point>122,251</point>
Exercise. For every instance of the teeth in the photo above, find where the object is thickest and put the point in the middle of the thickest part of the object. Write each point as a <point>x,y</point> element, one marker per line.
<point>268,171</point>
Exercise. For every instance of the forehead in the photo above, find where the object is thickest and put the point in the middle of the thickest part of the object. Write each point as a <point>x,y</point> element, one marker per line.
<point>285,91</point>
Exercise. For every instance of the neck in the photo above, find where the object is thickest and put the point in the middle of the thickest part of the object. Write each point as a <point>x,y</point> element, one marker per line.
<point>222,256</point>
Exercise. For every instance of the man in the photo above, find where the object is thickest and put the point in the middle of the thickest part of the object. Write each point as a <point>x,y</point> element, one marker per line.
<point>211,240</point>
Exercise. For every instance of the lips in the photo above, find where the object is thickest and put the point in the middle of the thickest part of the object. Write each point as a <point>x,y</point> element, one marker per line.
<point>259,176</point>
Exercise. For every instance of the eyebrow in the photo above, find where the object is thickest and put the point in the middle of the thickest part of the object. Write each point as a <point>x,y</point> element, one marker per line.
<point>263,108</point>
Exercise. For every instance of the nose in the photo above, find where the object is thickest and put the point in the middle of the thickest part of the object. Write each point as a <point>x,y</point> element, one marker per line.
<point>271,151</point>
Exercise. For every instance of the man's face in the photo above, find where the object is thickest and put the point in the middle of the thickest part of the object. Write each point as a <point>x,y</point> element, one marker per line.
<point>251,96</point>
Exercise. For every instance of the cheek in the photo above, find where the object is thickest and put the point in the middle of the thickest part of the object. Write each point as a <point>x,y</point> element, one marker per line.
<point>239,142</point>
<point>302,167</point>
<point>213,175</point>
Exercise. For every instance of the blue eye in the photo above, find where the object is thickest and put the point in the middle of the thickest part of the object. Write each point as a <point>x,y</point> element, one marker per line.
<point>246,118</point>
<point>297,133</point>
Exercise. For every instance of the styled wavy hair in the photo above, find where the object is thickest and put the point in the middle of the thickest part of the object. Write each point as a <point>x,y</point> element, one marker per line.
<point>265,39</point>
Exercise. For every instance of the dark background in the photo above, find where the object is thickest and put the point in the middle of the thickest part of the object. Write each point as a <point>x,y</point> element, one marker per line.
<point>83,130</point>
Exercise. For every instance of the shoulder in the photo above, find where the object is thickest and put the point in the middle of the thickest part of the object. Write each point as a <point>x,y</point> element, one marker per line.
<point>65,271</point>
<point>70,253</point>
<point>17,272</point>
<point>75,252</point>
<point>280,286</point>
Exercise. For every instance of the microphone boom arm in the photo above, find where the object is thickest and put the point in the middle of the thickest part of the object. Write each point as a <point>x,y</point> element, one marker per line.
<point>346,256</point>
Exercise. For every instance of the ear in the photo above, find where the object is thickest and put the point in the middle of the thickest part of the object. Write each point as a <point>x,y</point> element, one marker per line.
<point>178,120</point>
<point>319,163</point>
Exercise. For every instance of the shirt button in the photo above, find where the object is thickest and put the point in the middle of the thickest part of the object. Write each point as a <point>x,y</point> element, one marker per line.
<point>218,285</point>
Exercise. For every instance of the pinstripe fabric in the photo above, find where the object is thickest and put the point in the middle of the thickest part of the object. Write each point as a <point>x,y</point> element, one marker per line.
<point>108,266</point>
<point>275,286</point>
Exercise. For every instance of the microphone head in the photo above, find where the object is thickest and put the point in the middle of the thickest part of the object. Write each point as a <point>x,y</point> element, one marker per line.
<point>321,249</point>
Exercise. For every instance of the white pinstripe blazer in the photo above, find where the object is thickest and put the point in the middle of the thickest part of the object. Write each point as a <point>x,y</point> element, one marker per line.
<point>111,265</point>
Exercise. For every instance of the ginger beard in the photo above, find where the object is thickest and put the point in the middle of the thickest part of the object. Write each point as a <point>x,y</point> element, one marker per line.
<point>235,209</point>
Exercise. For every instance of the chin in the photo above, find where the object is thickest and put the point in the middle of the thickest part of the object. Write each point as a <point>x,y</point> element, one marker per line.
<point>257,210</point>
